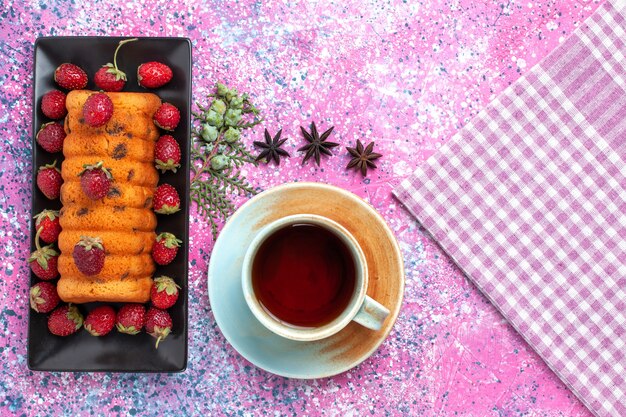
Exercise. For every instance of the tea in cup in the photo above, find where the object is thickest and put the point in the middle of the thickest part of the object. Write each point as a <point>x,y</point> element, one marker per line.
<point>305,278</point>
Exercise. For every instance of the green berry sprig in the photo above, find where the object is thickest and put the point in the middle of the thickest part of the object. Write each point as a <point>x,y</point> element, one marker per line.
<point>218,153</point>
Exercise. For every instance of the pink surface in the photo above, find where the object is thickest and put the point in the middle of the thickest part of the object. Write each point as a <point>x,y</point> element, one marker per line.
<point>405,74</point>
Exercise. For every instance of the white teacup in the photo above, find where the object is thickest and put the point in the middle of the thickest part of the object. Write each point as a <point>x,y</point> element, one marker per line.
<point>360,308</point>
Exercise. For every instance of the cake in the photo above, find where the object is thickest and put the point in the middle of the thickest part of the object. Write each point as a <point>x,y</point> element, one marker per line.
<point>124,219</point>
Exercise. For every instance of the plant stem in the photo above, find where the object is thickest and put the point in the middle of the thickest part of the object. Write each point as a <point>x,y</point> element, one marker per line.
<point>119,45</point>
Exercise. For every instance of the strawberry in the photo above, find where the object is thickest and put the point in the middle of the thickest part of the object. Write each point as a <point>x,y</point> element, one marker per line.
<point>158,324</point>
<point>48,222</point>
<point>53,104</point>
<point>131,318</point>
<point>153,74</point>
<point>97,110</point>
<point>165,248</point>
<point>65,320</point>
<point>100,320</point>
<point>167,154</point>
<point>70,76</point>
<point>167,117</point>
<point>49,180</point>
<point>51,136</point>
<point>88,255</point>
<point>164,292</point>
<point>95,180</point>
<point>43,297</point>
<point>166,200</point>
<point>44,264</point>
<point>109,77</point>
<point>43,261</point>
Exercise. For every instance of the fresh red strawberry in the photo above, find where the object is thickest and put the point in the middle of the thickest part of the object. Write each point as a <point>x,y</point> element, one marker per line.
<point>153,74</point>
<point>97,110</point>
<point>65,320</point>
<point>164,292</point>
<point>51,136</point>
<point>158,324</point>
<point>53,104</point>
<point>48,221</point>
<point>88,255</point>
<point>100,320</point>
<point>109,77</point>
<point>95,181</point>
<point>49,181</point>
<point>106,79</point>
<point>131,318</point>
<point>166,200</point>
<point>44,264</point>
<point>44,297</point>
<point>165,248</point>
<point>70,76</point>
<point>167,154</point>
<point>167,117</point>
<point>43,261</point>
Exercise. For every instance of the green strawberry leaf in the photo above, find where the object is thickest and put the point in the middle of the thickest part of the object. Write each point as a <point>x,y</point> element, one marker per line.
<point>91,330</point>
<point>43,262</point>
<point>128,330</point>
<point>74,315</point>
<point>35,291</point>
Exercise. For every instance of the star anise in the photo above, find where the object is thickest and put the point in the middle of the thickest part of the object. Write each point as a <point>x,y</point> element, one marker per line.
<point>271,148</point>
<point>317,144</point>
<point>362,157</point>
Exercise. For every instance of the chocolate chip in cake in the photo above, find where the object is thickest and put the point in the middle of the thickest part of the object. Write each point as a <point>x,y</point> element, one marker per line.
<point>131,174</point>
<point>147,203</point>
<point>119,208</point>
<point>114,192</point>
<point>116,129</point>
<point>124,276</point>
<point>119,151</point>
<point>82,212</point>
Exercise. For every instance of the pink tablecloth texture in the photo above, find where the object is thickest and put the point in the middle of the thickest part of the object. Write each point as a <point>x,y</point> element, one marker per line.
<point>529,199</point>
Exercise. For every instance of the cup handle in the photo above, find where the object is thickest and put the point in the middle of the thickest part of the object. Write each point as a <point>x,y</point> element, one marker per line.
<point>372,314</point>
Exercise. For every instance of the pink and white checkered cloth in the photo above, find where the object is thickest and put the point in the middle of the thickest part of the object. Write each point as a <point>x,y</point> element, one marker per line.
<point>529,200</point>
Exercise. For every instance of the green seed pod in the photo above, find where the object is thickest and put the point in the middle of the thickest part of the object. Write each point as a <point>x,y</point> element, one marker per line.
<point>222,90</point>
<point>209,133</point>
<point>236,103</point>
<point>232,117</point>
<point>232,135</point>
<point>214,119</point>
<point>218,107</point>
<point>230,94</point>
<point>219,162</point>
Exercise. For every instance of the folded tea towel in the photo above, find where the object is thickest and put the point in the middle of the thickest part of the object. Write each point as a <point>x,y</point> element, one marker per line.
<point>529,200</point>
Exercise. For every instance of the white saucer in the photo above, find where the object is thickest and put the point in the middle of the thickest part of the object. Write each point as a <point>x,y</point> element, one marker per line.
<point>250,338</point>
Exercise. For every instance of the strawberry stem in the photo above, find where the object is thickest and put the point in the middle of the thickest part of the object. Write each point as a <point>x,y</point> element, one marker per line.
<point>37,245</point>
<point>119,45</point>
<point>157,342</point>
